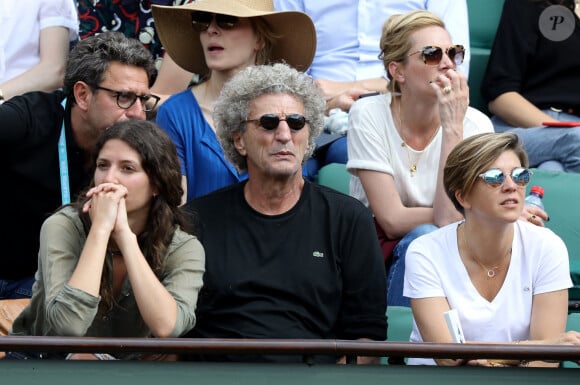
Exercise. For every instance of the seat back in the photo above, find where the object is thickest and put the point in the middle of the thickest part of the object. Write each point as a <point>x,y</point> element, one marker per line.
<point>561,204</point>
<point>400,320</point>
<point>335,176</point>
<point>400,325</point>
<point>484,18</point>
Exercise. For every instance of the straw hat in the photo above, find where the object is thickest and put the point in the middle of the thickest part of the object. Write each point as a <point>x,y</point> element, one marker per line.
<point>296,43</point>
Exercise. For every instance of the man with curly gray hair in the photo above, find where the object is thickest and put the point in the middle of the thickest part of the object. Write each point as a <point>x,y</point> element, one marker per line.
<point>286,258</point>
<point>232,109</point>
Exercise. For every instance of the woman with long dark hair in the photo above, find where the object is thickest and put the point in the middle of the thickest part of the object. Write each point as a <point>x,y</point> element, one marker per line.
<point>118,262</point>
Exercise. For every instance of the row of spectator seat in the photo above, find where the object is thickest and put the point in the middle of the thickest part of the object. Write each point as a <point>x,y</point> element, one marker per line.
<point>484,18</point>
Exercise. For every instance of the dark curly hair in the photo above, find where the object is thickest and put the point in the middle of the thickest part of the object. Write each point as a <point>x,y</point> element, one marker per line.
<point>161,164</point>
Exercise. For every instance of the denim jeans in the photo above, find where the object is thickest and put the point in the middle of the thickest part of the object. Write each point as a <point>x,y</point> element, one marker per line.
<point>337,152</point>
<point>549,146</point>
<point>21,288</point>
<point>310,169</point>
<point>396,273</point>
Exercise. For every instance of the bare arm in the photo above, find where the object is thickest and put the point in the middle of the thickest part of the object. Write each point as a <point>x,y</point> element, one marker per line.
<point>452,109</point>
<point>549,314</point>
<point>48,74</point>
<point>548,323</point>
<point>343,94</point>
<point>102,209</point>
<point>547,327</point>
<point>428,314</point>
<point>517,111</point>
<point>395,219</point>
<point>156,305</point>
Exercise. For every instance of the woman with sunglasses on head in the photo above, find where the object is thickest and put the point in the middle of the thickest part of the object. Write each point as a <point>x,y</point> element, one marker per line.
<point>216,39</point>
<point>119,262</point>
<point>398,142</point>
<point>507,278</point>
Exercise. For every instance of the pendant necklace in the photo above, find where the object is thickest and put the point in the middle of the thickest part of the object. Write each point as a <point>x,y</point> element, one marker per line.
<point>412,165</point>
<point>491,271</point>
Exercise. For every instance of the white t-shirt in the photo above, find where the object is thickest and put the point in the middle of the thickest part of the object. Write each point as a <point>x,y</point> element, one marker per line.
<point>20,25</point>
<point>375,144</point>
<point>433,268</point>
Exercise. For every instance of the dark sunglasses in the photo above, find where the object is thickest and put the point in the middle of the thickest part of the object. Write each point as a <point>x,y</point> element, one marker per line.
<point>496,177</point>
<point>126,99</point>
<point>432,55</point>
<point>271,121</point>
<point>202,20</point>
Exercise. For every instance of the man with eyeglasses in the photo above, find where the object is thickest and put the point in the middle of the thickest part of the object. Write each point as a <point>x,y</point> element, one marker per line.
<point>46,141</point>
<point>286,258</point>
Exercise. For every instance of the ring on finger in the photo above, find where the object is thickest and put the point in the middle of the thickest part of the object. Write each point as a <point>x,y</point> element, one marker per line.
<point>447,89</point>
<point>532,218</point>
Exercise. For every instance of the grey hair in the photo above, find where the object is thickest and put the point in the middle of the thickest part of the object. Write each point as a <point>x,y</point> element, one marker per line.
<point>90,58</point>
<point>233,105</point>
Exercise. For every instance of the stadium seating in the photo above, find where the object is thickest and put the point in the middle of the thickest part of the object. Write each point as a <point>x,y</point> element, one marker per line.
<point>484,17</point>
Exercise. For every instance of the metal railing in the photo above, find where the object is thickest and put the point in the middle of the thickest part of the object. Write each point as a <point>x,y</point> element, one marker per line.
<point>305,347</point>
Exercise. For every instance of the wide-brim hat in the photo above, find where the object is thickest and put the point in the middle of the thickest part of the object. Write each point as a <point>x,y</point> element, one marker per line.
<point>296,35</point>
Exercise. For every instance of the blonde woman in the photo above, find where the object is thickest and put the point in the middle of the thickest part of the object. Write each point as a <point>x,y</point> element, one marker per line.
<point>398,142</point>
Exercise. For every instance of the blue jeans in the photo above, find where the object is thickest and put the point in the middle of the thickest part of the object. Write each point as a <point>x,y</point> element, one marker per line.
<point>337,152</point>
<point>332,153</point>
<point>310,169</point>
<point>396,273</point>
<point>549,147</point>
<point>21,288</point>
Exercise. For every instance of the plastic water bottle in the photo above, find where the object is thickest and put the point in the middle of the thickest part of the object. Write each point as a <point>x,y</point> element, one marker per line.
<point>535,196</point>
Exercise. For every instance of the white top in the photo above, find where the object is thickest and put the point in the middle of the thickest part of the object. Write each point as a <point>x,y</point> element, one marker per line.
<point>20,25</point>
<point>349,32</point>
<point>539,264</point>
<point>375,144</point>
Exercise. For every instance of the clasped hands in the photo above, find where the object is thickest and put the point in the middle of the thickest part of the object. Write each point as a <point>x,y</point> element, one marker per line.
<point>106,206</point>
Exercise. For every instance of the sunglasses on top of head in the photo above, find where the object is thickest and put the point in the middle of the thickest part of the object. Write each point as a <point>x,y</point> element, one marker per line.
<point>202,20</point>
<point>432,55</point>
<point>496,177</point>
<point>271,122</point>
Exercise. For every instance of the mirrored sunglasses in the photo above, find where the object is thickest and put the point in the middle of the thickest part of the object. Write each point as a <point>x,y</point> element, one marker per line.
<point>496,177</point>
<point>432,55</point>
<point>202,20</point>
<point>271,121</point>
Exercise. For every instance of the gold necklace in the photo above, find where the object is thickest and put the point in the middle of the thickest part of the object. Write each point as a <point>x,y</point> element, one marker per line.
<point>412,165</point>
<point>491,271</point>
